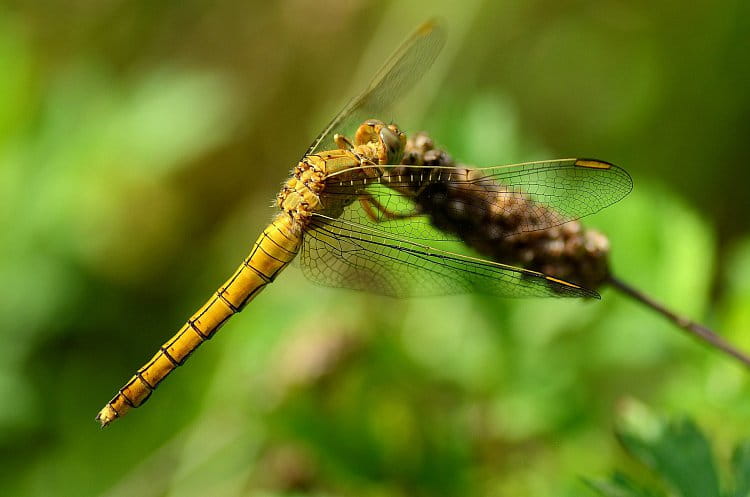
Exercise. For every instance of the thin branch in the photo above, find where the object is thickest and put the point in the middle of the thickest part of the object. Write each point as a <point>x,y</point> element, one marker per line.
<point>696,330</point>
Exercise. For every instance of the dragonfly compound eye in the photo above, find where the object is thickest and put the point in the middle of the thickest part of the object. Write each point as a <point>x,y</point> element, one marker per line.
<point>394,142</point>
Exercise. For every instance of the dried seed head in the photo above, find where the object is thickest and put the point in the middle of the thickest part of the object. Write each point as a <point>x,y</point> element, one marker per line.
<point>568,251</point>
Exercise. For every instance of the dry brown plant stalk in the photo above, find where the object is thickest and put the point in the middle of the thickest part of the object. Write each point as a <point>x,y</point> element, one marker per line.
<point>570,251</point>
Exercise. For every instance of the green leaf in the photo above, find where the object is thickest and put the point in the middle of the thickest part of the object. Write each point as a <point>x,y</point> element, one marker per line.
<point>741,470</point>
<point>620,485</point>
<point>679,453</point>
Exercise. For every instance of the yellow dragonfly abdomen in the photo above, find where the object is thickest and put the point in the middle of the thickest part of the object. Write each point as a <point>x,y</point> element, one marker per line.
<point>274,249</point>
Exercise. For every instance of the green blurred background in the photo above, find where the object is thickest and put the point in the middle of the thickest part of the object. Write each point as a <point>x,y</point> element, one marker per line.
<point>141,146</point>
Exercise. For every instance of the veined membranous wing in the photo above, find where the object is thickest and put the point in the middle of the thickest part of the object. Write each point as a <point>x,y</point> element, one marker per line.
<point>396,77</point>
<point>341,253</point>
<point>454,203</point>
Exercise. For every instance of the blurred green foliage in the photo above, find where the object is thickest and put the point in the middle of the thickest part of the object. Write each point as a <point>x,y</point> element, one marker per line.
<point>680,457</point>
<point>141,145</point>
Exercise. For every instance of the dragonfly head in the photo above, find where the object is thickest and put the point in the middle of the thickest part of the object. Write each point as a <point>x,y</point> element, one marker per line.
<point>388,138</point>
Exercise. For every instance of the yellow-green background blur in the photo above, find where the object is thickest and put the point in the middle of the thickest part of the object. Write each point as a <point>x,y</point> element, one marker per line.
<point>142,144</point>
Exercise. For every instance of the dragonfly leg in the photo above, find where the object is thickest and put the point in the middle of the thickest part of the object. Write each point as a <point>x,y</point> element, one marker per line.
<point>343,142</point>
<point>377,212</point>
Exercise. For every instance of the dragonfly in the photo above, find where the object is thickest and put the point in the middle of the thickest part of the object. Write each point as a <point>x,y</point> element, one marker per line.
<point>355,218</point>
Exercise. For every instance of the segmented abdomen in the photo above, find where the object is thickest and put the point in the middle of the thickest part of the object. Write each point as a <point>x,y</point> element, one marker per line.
<point>273,250</point>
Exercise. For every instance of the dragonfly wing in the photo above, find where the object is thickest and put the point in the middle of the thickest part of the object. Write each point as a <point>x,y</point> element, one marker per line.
<point>340,253</point>
<point>397,76</point>
<point>454,203</point>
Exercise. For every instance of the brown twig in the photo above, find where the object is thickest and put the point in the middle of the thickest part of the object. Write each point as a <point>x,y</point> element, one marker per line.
<point>698,331</point>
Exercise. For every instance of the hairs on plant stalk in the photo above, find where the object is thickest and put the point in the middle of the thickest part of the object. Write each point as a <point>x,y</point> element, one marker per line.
<point>569,251</point>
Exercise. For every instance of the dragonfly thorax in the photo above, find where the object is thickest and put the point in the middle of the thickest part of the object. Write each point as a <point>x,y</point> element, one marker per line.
<point>299,196</point>
<point>375,143</point>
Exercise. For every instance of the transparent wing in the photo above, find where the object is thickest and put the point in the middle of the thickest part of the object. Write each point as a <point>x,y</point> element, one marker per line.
<point>345,254</point>
<point>454,203</point>
<point>402,70</point>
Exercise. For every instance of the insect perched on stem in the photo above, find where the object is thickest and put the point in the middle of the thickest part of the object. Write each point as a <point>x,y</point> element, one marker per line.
<point>356,219</point>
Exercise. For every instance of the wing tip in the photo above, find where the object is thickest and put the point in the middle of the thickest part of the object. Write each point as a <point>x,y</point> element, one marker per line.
<point>593,163</point>
<point>576,290</point>
<point>429,25</point>
<point>433,28</point>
